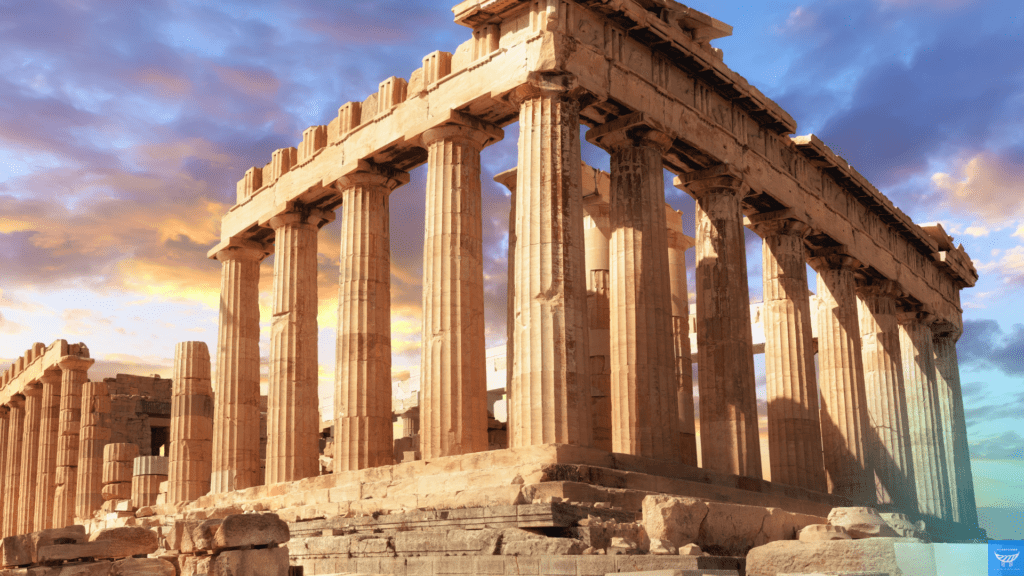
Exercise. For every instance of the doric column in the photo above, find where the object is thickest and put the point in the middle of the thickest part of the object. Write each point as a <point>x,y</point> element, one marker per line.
<point>12,466</point>
<point>926,442</point>
<point>597,238</point>
<point>549,400</point>
<point>729,436</point>
<point>844,415</point>
<point>678,244</point>
<point>363,436</point>
<point>236,432</point>
<point>293,421</point>
<point>46,477</point>
<point>794,428</point>
<point>958,463</point>
<point>508,179</point>
<point>889,436</point>
<point>5,414</point>
<point>93,437</point>
<point>453,379</point>
<point>74,375</point>
<point>645,412</point>
<point>191,450</point>
<point>30,460</point>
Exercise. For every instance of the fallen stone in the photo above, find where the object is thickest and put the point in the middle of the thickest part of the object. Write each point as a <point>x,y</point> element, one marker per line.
<point>195,565</point>
<point>197,535</point>
<point>126,541</point>
<point>543,547</point>
<point>676,520</point>
<point>780,524</point>
<point>16,551</point>
<point>65,552</point>
<point>861,522</point>
<point>690,550</point>
<point>621,545</point>
<point>240,530</point>
<point>731,529</point>
<point>260,562</point>
<point>787,556</point>
<point>903,526</point>
<point>823,533</point>
<point>662,547</point>
<point>142,567</point>
<point>21,550</point>
<point>90,569</point>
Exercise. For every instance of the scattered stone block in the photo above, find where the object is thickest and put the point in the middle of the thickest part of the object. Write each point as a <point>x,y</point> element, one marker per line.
<point>543,546</point>
<point>823,533</point>
<point>662,547</point>
<point>861,522</point>
<point>142,567</point>
<point>126,541</point>
<point>787,556</point>
<point>260,562</point>
<point>676,520</point>
<point>731,529</point>
<point>690,550</point>
<point>16,551</point>
<point>240,530</point>
<point>622,545</point>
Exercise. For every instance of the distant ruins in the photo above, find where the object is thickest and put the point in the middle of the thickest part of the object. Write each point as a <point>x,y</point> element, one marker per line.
<point>601,472</point>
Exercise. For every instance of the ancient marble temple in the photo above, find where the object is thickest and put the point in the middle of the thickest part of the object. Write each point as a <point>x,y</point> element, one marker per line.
<point>599,355</point>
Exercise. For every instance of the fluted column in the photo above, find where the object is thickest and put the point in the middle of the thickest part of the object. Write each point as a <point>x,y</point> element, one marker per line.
<point>844,415</point>
<point>678,244</point>
<point>5,420</point>
<point>293,421</point>
<point>453,380</point>
<point>645,411</point>
<point>550,389</point>
<point>30,460</point>
<point>508,179</point>
<point>236,432</point>
<point>889,435</point>
<point>597,239</point>
<point>926,442</point>
<point>12,466</point>
<point>74,375</point>
<point>958,461</point>
<point>729,437</point>
<point>93,438</point>
<point>794,428</point>
<point>191,442</point>
<point>363,435</point>
<point>46,477</point>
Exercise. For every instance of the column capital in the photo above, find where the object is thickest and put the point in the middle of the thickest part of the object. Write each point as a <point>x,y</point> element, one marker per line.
<point>834,258</point>
<point>16,402</point>
<point>722,179</point>
<point>373,175</point>
<point>783,222</point>
<point>75,363</point>
<point>456,125</point>
<point>4,411</point>
<point>630,131</point>
<point>550,84</point>
<point>914,315</point>
<point>32,390</point>
<point>301,215</point>
<point>242,249</point>
<point>943,329</point>
<point>51,376</point>
<point>871,288</point>
<point>508,179</point>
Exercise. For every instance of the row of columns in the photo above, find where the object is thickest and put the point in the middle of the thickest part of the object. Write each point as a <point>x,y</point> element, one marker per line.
<point>870,389</point>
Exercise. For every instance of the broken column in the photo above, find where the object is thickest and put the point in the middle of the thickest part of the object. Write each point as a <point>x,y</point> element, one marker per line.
<point>74,375</point>
<point>236,433</point>
<point>363,436</point>
<point>191,424</point>
<point>887,402</point>
<point>453,389</point>
<point>644,389</point>
<point>118,466</point>
<point>147,474</point>
<point>678,244</point>
<point>597,238</point>
<point>549,400</point>
<point>30,460</point>
<point>293,419</point>
<point>730,441</point>
<point>93,437</point>
<point>794,430</point>
<point>844,417</point>
<point>49,422</point>
<point>12,465</point>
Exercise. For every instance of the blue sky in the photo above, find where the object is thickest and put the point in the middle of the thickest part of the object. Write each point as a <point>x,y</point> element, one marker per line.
<point>123,128</point>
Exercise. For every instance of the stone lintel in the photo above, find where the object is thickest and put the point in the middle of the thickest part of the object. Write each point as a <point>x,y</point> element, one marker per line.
<point>546,83</point>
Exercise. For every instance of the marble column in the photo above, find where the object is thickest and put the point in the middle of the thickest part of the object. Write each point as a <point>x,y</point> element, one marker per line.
<point>644,388</point>
<point>191,452</point>
<point>293,421</point>
<point>5,420</point>
<point>597,239</point>
<point>46,476</point>
<point>508,179</point>
<point>794,428</point>
<point>958,461</point>
<point>30,460</point>
<point>363,435</point>
<point>729,436</point>
<point>678,244</point>
<point>453,380</point>
<point>844,414</point>
<point>12,465</point>
<point>236,432</point>
<point>549,400</point>
<point>889,435</point>
<point>926,440</point>
<point>74,375</point>
<point>93,438</point>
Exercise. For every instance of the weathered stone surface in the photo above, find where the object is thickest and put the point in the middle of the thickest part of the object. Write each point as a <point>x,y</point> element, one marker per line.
<point>89,569</point>
<point>64,552</point>
<point>690,550</point>
<point>861,522</point>
<point>662,547</point>
<point>823,533</point>
<point>250,530</point>
<point>193,536</point>
<point>676,520</point>
<point>543,546</point>
<point>263,562</point>
<point>142,567</point>
<point>872,555</point>
<point>127,541</point>
<point>195,565</point>
<point>16,551</point>
<point>783,525</point>
<point>731,529</point>
<point>623,545</point>
<point>903,526</point>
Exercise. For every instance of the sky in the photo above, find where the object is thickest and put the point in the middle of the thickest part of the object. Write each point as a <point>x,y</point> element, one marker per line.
<point>124,127</point>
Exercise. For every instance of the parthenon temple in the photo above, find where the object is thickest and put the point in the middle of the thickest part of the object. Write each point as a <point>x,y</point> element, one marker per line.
<point>864,405</point>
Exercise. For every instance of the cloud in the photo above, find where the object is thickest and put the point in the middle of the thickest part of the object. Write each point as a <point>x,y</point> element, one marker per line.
<point>988,185</point>
<point>1006,446</point>
<point>984,344</point>
<point>10,328</point>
